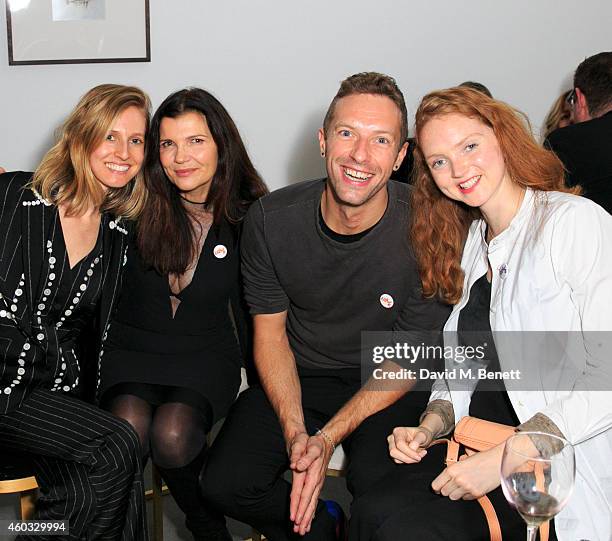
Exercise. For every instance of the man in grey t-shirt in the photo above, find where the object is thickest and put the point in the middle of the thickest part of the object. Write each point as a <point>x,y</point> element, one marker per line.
<point>322,262</point>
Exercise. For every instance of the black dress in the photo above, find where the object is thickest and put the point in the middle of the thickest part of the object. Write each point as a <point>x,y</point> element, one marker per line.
<point>489,400</point>
<point>197,349</point>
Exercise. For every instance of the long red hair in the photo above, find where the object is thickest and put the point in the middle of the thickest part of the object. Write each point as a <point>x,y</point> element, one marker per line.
<point>440,225</point>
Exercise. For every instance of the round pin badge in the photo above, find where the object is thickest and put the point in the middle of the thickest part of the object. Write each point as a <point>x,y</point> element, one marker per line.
<point>220,251</point>
<point>386,300</point>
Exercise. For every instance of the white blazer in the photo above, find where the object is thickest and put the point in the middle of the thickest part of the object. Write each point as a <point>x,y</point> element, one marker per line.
<point>552,271</point>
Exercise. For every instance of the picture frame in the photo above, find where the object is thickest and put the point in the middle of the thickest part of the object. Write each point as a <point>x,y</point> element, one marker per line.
<point>77,31</point>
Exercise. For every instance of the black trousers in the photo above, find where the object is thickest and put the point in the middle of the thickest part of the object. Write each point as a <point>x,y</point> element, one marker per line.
<point>87,464</point>
<point>403,506</point>
<point>243,475</point>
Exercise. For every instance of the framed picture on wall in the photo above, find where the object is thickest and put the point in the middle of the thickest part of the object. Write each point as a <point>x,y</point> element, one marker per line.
<point>77,31</point>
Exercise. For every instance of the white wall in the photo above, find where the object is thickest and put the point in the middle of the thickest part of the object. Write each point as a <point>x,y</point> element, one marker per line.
<point>276,64</point>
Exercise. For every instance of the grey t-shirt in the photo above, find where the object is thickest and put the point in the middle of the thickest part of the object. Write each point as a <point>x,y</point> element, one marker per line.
<point>332,290</point>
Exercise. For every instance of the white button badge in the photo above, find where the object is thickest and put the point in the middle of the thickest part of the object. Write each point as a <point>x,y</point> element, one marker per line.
<point>386,300</point>
<point>220,251</point>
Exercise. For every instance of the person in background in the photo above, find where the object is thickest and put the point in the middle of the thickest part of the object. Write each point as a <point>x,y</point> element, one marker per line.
<point>477,86</point>
<point>171,364</point>
<point>497,233</point>
<point>584,147</point>
<point>559,116</point>
<point>404,171</point>
<point>62,251</point>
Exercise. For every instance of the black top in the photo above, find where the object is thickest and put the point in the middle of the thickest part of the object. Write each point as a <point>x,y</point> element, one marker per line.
<point>490,400</point>
<point>196,349</point>
<point>339,237</point>
<point>332,290</point>
<point>45,305</point>
<point>586,152</point>
<point>67,305</point>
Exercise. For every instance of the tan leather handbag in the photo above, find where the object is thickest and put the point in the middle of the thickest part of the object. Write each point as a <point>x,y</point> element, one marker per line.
<point>479,435</point>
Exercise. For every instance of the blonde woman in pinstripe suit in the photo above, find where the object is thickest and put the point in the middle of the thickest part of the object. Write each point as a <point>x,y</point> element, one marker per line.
<point>62,249</point>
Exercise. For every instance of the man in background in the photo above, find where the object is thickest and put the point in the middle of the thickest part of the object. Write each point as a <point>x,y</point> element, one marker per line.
<point>585,147</point>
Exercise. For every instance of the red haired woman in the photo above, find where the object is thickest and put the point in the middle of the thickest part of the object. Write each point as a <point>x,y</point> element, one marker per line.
<point>498,235</point>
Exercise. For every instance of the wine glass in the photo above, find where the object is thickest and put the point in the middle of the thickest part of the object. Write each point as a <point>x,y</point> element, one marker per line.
<point>537,473</point>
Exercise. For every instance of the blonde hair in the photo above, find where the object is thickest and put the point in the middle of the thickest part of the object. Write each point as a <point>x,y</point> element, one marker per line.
<point>557,112</point>
<point>64,175</point>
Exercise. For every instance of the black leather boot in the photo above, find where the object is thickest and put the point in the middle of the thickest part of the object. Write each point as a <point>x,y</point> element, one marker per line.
<point>204,523</point>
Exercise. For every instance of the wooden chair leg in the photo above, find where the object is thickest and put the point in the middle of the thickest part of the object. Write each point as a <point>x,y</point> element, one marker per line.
<point>158,505</point>
<point>28,501</point>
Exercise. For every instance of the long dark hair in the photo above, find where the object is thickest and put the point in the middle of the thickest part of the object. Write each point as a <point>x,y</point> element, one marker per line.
<point>165,232</point>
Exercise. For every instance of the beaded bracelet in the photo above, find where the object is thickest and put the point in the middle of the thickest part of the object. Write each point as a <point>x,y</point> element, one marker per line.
<point>326,437</point>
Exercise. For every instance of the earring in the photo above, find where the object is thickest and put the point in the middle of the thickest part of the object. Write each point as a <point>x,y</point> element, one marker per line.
<point>322,154</point>
<point>395,167</point>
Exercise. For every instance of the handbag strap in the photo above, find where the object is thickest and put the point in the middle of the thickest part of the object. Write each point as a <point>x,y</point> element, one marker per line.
<point>539,476</point>
<point>491,516</point>
<point>452,456</point>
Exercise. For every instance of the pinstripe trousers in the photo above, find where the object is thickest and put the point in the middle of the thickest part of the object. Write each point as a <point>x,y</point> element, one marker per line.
<point>87,464</point>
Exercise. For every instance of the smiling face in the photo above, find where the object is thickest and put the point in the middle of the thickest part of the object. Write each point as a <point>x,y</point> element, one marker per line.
<point>119,157</point>
<point>188,154</point>
<point>362,145</point>
<point>466,161</point>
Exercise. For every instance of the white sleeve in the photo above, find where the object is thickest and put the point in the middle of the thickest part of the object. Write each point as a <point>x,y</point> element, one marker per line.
<point>581,251</point>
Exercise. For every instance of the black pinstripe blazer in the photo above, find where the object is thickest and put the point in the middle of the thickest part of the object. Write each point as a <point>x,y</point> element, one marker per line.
<point>25,222</point>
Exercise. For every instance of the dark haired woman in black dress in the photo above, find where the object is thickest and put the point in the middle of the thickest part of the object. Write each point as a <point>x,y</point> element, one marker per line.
<point>171,366</point>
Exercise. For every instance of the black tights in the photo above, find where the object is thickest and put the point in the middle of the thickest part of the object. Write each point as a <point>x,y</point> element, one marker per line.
<point>174,434</point>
